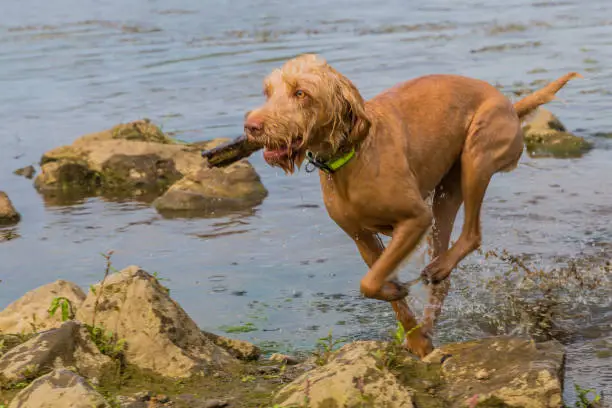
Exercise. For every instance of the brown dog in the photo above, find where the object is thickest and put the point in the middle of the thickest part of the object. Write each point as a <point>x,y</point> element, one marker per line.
<point>380,160</point>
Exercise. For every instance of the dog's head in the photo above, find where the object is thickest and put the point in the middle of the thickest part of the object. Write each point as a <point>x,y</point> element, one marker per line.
<point>309,106</point>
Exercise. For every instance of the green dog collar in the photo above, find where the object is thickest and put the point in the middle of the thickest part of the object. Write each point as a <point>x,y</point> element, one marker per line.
<point>330,166</point>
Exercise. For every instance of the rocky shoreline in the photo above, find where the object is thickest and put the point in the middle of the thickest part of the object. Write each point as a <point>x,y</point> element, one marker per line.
<point>127,343</point>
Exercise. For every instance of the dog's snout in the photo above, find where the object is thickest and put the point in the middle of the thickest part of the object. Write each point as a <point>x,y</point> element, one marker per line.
<point>253,125</point>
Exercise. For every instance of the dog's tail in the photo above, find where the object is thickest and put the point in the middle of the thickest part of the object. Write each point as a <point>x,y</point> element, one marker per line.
<point>529,103</point>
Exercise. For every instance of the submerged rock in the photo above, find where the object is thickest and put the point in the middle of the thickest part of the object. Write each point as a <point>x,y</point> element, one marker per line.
<point>30,313</point>
<point>545,136</point>
<point>60,388</point>
<point>67,346</point>
<point>499,371</point>
<point>8,214</point>
<point>159,335</point>
<point>138,160</point>
<point>27,172</point>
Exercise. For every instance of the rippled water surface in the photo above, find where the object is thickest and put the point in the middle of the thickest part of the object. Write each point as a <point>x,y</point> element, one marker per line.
<point>72,67</point>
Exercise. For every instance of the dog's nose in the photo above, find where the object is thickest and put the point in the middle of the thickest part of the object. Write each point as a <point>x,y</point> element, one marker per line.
<point>253,125</point>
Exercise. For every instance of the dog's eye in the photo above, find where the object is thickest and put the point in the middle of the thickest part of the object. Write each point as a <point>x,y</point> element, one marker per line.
<point>300,94</point>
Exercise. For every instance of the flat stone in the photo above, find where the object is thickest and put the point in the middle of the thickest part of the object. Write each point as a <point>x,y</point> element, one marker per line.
<point>60,388</point>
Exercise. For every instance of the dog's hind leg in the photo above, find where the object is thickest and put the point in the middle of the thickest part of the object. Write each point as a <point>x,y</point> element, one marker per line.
<point>446,202</point>
<point>494,143</point>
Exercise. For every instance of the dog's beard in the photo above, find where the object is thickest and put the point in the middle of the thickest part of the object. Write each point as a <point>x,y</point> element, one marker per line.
<point>288,152</point>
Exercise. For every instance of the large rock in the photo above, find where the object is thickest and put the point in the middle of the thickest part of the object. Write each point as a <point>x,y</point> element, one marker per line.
<point>67,346</point>
<point>160,336</point>
<point>511,371</point>
<point>30,313</point>
<point>8,214</point>
<point>495,372</point>
<point>138,160</point>
<point>214,190</point>
<point>60,388</point>
<point>352,378</point>
<point>545,136</point>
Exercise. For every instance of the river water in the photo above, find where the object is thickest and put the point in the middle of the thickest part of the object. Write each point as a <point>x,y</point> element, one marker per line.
<point>72,67</point>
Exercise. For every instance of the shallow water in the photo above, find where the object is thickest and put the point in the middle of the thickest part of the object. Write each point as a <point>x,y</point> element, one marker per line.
<point>72,67</point>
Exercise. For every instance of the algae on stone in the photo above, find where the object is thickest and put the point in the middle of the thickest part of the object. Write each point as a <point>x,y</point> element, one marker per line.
<point>546,136</point>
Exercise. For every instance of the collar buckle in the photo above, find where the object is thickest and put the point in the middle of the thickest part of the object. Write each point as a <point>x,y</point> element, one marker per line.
<point>315,163</point>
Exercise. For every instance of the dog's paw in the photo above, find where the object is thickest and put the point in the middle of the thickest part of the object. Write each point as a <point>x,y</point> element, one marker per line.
<point>390,291</point>
<point>419,342</point>
<point>435,272</point>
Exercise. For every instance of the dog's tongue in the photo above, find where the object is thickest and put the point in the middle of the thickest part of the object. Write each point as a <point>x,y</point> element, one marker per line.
<point>274,154</point>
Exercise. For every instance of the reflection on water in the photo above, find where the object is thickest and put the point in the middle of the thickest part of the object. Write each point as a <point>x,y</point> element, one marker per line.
<point>73,67</point>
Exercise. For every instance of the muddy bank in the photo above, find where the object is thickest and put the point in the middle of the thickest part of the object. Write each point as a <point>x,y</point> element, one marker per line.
<point>127,343</point>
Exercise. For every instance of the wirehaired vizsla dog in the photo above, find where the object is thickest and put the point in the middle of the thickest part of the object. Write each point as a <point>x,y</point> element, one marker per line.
<point>379,161</point>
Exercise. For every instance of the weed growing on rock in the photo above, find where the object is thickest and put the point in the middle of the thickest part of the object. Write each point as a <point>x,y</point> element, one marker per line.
<point>390,356</point>
<point>109,266</point>
<point>584,401</point>
<point>64,305</point>
<point>325,348</point>
<point>107,342</point>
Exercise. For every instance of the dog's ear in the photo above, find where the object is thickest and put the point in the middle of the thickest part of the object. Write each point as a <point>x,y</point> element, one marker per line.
<point>355,117</point>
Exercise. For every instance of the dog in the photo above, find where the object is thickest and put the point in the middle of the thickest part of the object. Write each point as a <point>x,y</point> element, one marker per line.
<point>439,136</point>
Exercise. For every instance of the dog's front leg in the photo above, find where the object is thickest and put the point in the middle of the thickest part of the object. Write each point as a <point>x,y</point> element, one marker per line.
<point>418,339</point>
<point>376,284</point>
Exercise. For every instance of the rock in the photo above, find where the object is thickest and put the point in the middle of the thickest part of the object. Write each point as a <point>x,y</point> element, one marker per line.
<point>283,358</point>
<point>214,190</point>
<point>138,400</point>
<point>8,341</point>
<point>521,372</point>
<point>8,214</point>
<point>60,388</point>
<point>214,403</point>
<point>352,378</point>
<point>68,346</point>
<point>242,350</point>
<point>27,172</point>
<point>30,313</point>
<point>545,136</point>
<point>191,401</point>
<point>482,374</point>
<point>160,336</point>
<point>507,371</point>
<point>137,160</point>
